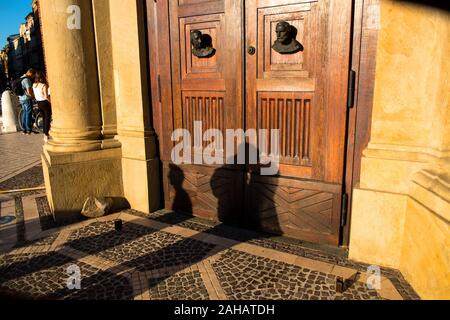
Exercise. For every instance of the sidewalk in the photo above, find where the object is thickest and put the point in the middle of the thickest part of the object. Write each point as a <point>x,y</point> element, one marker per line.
<point>18,153</point>
<point>174,257</point>
<point>169,256</point>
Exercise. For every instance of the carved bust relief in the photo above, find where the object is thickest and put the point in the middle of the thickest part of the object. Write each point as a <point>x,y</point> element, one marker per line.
<point>286,42</point>
<point>201,45</point>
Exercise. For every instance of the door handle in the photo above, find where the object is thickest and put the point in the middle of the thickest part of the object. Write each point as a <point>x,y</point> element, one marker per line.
<point>251,50</point>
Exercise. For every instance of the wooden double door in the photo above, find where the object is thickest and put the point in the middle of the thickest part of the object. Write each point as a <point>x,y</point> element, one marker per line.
<point>260,64</point>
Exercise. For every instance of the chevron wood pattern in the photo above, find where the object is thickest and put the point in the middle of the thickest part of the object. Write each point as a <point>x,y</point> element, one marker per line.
<point>214,193</point>
<point>307,212</point>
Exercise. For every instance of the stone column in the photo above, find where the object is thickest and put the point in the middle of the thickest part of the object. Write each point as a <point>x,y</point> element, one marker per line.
<point>73,76</point>
<point>103,41</point>
<point>75,166</point>
<point>9,108</point>
<point>140,164</point>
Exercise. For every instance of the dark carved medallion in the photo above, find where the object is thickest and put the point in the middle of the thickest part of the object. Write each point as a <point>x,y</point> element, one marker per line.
<point>201,44</point>
<point>286,42</point>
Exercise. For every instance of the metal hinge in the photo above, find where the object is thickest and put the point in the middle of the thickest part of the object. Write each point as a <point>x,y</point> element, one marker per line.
<point>351,89</point>
<point>159,88</point>
<point>344,209</point>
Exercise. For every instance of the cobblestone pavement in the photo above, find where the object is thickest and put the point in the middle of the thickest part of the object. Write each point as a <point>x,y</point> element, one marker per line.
<point>19,152</point>
<point>148,259</point>
<point>168,256</point>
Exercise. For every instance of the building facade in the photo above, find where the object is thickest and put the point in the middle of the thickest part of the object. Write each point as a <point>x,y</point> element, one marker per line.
<point>358,90</point>
<point>24,50</point>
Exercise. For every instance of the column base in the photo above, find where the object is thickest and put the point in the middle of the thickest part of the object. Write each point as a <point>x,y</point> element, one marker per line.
<point>10,129</point>
<point>110,143</point>
<point>141,183</point>
<point>425,259</point>
<point>407,231</point>
<point>377,225</point>
<point>70,178</point>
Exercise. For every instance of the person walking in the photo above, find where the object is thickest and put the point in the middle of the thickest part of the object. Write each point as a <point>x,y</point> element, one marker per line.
<point>42,96</point>
<point>23,88</point>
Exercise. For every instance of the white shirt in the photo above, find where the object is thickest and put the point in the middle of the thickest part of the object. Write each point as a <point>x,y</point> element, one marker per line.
<point>39,93</point>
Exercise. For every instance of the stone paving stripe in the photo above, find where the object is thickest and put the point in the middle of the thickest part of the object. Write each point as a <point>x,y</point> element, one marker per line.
<point>170,271</point>
<point>181,231</point>
<point>144,286</point>
<point>279,256</point>
<point>219,241</point>
<point>207,282</point>
<point>187,233</point>
<point>27,249</point>
<point>136,284</point>
<point>388,290</point>
<point>214,281</point>
<point>8,208</point>
<point>285,257</point>
<point>177,230</point>
<point>390,293</point>
<point>30,210</point>
<point>343,272</point>
<point>13,173</point>
<point>313,265</point>
<point>8,229</point>
<point>69,252</point>
<point>109,217</point>
<point>120,270</point>
<point>61,239</point>
<point>364,277</point>
<point>48,232</point>
<point>144,222</point>
<point>149,275</point>
<point>33,230</point>
<point>21,190</point>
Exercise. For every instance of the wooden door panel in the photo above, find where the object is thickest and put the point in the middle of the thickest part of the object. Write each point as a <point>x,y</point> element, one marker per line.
<point>208,192</point>
<point>194,67</point>
<point>290,112</point>
<point>212,77</point>
<point>300,209</point>
<point>271,63</point>
<point>303,94</point>
<point>206,89</point>
<point>189,7</point>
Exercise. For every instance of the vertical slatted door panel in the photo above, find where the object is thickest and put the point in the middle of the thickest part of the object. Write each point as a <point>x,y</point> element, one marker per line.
<point>303,94</point>
<point>206,89</point>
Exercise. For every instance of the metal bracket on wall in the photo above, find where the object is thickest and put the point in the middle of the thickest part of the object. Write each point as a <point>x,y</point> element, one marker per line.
<point>344,210</point>
<point>351,89</point>
<point>159,88</point>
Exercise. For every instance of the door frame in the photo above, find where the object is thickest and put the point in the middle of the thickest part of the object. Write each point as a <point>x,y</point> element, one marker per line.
<point>365,26</point>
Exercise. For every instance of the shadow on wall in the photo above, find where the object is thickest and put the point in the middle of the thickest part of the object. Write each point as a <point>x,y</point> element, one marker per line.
<point>253,208</point>
<point>182,202</point>
<point>439,4</point>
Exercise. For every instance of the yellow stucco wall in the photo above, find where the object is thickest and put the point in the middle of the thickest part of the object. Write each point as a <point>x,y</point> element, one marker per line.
<point>401,209</point>
<point>413,45</point>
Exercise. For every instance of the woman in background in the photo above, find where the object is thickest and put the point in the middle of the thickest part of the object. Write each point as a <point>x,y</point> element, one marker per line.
<point>42,96</point>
